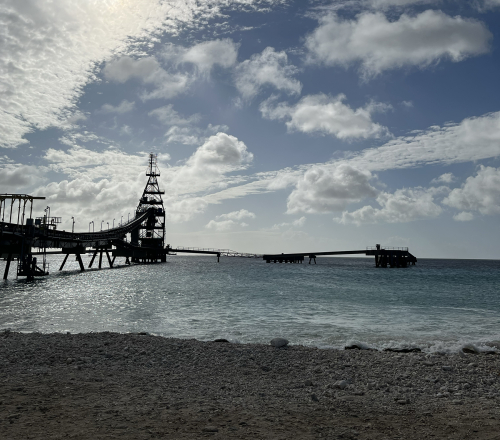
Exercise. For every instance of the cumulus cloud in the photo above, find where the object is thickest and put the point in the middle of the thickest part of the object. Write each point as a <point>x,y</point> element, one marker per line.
<point>328,115</point>
<point>322,190</point>
<point>223,225</point>
<point>479,193</point>
<point>148,71</point>
<point>377,44</point>
<point>209,168</point>
<point>124,107</point>
<point>267,68</point>
<point>16,178</point>
<point>444,178</point>
<point>219,154</point>
<point>463,216</point>
<point>404,205</point>
<point>209,53</point>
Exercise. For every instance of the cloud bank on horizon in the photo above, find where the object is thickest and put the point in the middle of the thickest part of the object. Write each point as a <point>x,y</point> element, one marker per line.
<point>278,125</point>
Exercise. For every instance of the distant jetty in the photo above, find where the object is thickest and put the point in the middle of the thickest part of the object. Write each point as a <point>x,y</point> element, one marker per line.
<point>384,256</point>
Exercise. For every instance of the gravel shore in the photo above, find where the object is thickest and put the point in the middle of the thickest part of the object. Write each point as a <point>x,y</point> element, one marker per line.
<point>138,386</point>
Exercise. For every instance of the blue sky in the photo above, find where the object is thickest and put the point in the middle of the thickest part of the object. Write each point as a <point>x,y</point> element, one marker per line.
<point>280,126</point>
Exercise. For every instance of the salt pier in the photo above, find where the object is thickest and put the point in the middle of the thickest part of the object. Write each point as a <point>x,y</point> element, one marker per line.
<point>384,256</point>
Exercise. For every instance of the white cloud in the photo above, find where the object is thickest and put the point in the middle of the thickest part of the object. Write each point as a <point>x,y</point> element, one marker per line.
<point>148,71</point>
<point>473,139</point>
<point>205,55</point>
<point>323,190</point>
<point>404,205</point>
<point>470,140</point>
<point>329,115</point>
<point>124,107</point>
<point>110,163</point>
<point>168,116</point>
<point>182,135</point>
<point>378,44</point>
<point>225,222</point>
<point>479,193</point>
<point>463,216</point>
<point>180,210</point>
<point>486,5</point>
<point>221,153</point>
<point>444,178</point>
<point>125,68</point>
<point>384,4</point>
<point>296,223</point>
<point>236,215</point>
<point>16,177</point>
<point>223,225</point>
<point>189,135</point>
<point>268,68</point>
<point>50,49</point>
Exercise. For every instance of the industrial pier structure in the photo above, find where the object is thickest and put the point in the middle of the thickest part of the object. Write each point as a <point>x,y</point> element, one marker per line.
<point>384,257</point>
<point>139,240</point>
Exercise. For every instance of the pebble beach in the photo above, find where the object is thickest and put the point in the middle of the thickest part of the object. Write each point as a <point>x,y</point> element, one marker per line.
<point>140,386</point>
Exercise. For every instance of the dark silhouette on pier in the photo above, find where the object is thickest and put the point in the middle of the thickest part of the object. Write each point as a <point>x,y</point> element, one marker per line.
<point>384,257</point>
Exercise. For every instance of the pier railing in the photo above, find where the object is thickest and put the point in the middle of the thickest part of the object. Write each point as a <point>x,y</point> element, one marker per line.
<point>222,252</point>
<point>387,248</point>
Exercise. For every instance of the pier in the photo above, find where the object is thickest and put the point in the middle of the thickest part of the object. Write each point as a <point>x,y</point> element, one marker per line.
<point>384,256</point>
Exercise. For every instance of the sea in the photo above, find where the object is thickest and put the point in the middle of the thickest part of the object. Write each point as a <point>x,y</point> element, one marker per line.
<point>437,305</point>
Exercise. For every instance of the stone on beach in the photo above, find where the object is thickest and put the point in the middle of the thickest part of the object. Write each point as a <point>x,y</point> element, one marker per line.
<point>341,384</point>
<point>279,342</point>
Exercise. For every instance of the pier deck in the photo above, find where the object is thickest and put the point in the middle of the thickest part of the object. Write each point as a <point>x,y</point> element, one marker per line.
<point>384,257</point>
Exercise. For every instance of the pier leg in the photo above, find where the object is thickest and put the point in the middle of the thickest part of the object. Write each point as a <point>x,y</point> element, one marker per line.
<point>314,260</point>
<point>100,260</point>
<point>92,260</point>
<point>64,262</point>
<point>113,260</point>
<point>80,262</point>
<point>127,261</point>
<point>7,266</point>
<point>109,259</point>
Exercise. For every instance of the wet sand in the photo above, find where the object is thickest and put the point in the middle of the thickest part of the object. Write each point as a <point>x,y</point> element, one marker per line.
<point>132,386</point>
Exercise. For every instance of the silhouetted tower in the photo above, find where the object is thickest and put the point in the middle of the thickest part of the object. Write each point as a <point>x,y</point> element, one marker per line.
<point>151,233</point>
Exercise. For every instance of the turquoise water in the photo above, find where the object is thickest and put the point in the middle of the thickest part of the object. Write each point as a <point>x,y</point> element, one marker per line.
<point>435,305</point>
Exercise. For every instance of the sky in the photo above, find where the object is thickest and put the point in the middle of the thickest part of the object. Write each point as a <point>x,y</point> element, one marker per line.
<point>280,126</point>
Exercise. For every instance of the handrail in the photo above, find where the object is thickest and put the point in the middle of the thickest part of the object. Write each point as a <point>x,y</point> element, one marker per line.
<point>386,248</point>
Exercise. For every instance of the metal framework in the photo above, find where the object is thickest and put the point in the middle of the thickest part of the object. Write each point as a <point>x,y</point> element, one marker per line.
<point>151,233</point>
<point>23,200</point>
